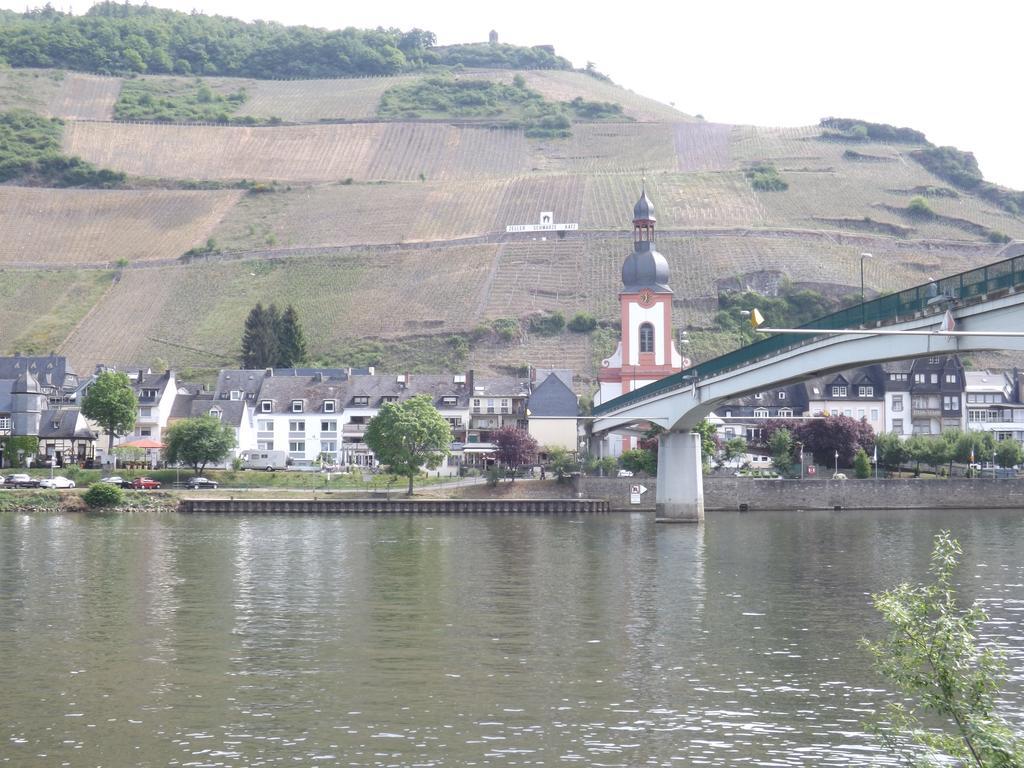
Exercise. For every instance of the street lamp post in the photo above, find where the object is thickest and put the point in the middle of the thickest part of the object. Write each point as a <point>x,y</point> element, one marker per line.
<point>863,311</point>
<point>837,461</point>
<point>993,465</point>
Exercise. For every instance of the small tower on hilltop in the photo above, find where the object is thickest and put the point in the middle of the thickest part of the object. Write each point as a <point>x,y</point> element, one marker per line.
<point>646,351</point>
<point>492,38</point>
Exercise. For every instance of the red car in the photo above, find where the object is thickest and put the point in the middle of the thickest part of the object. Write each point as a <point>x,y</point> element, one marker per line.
<point>144,484</point>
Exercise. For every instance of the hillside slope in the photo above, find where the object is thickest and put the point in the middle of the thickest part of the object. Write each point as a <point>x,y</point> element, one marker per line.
<point>389,237</point>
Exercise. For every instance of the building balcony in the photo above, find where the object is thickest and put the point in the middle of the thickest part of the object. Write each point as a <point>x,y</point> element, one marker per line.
<point>264,435</point>
<point>296,435</point>
<point>927,412</point>
<point>353,429</point>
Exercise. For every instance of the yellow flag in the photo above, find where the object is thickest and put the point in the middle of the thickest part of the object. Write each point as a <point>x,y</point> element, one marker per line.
<point>756,318</point>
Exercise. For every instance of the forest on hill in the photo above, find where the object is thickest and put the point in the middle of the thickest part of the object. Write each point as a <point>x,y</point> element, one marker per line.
<point>119,38</point>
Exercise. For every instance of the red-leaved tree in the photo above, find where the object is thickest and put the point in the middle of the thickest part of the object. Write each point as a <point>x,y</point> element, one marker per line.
<point>515,447</point>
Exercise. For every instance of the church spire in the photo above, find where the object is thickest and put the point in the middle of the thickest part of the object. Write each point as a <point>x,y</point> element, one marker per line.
<point>645,267</point>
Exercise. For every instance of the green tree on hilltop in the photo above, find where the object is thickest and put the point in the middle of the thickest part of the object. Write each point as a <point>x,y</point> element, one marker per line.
<point>408,436</point>
<point>259,339</point>
<point>111,403</point>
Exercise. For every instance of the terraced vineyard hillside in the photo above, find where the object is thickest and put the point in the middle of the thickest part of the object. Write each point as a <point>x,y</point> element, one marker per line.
<point>388,235</point>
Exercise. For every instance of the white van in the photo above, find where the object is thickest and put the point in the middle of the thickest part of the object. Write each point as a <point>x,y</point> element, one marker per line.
<point>265,460</point>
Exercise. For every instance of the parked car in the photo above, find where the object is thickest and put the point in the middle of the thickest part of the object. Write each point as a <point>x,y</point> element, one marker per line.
<point>117,480</point>
<point>21,480</point>
<point>201,482</point>
<point>56,482</point>
<point>145,484</point>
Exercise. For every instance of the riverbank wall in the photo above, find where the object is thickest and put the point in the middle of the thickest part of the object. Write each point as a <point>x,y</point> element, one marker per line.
<point>336,506</point>
<point>735,493</point>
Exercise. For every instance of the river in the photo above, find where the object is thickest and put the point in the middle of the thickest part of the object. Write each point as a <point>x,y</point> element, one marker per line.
<point>175,640</point>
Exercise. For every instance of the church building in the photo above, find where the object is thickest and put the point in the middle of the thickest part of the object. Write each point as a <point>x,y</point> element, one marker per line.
<point>647,350</point>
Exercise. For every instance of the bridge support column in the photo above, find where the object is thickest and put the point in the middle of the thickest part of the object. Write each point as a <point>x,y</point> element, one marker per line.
<point>680,479</point>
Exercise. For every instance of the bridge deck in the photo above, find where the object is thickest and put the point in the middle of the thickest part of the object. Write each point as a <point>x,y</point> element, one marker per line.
<point>972,286</point>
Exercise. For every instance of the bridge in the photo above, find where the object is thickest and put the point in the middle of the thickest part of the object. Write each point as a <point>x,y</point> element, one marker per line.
<point>986,303</point>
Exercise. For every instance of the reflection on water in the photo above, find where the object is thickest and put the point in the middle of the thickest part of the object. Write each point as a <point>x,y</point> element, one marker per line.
<point>152,640</point>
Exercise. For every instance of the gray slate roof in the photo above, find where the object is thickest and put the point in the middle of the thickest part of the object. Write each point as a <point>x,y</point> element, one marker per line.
<point>553,398</point>
<point>49,370</point>
<point>69,426</point>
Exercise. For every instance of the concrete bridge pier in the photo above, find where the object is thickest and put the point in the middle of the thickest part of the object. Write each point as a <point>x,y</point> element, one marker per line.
<point>680,496</point>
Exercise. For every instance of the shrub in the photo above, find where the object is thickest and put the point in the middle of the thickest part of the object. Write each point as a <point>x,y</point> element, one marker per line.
<point>507,328</point>
<point>582,322</point>
<point>918,208</point>
<point>103,495</point>
<point>765,178</point>
<point>862,464</point>
<point>550,324</point>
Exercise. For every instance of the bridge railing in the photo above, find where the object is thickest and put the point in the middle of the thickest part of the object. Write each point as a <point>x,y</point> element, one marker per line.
<point>966,287</point>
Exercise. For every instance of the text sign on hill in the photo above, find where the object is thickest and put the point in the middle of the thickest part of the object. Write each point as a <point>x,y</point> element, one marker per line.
<point>547,224</point>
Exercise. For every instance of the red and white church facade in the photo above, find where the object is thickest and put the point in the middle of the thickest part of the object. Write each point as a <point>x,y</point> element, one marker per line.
<point>647,350</point>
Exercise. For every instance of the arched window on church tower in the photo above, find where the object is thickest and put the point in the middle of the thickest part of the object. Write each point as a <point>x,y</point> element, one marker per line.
<point>646,337</point>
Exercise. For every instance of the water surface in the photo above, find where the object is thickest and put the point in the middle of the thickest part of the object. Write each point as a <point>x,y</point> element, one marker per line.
<point>171,640</point>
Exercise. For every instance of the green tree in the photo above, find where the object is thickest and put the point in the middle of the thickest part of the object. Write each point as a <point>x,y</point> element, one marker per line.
<point>561,462</point>
<point>1008,453</point>
<point>111,403</point>
<point>932,656</point>
<point>639,460</point>
<point>259,338</point>
<point>780,445</point>
<point>409,435</point>
<point>198,441</point>
<point>708,442</point>
<point>515,447</point>
<point>734,448</point>
<point>892,451</point>
<point>291,342</point>
<point>862,464</point>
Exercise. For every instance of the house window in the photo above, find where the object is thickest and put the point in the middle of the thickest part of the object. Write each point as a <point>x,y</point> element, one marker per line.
<point>328,406</point>
<point>265,445</point>
<point>5,423</point>
<point>860,413</point>
<point>455,423</point>
<point>760,413</point>
<point>728,414</point>
<point>759,396</point>
<point>782,395</point>
<point>848,413</point>
<point>838,391</point>
<point>236,394</point>
<point>897,426</point>
<point>865,391</point>
<point>646,337</point>
<point>297,446</point>
<point>785,413</point>
<point>934,360</point>
<point>328,446</point>
<point>296,425</point>
<point>449,400</point>
<point>215,412</point>
<point>146,412</point>
<point>55,424</point>
<point>951,403</point>
<point>935,378</point>
<point>951,378</point>
<point>919,378</point>
<point>361,400</point>
<point>265,425</point>
<point>329,426</point>
<point>296,406</point>
<point>266,406</point>
<point>389,399</point>
<point>897,403</point>
<point>874,414</point>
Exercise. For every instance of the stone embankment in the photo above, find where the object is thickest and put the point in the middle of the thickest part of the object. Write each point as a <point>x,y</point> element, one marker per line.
<point>725,493</point>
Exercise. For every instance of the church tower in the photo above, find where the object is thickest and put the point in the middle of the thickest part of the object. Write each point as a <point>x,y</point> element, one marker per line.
<point>646,350</point>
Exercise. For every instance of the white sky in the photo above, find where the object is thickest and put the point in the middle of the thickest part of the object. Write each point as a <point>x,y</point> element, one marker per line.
<point>949,69</point>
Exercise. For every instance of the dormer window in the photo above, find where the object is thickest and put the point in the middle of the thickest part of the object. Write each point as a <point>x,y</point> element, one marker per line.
<point>266,406</point>
<point>215,412</point>
<point>838,391</point>
<point>328,406</point>
<point>865,391</point>
<point>449,400</point>
<point>782,395</point>
<point>389,399</point>
<point>361,400</point>
<point>760,413</point>
<point>236,394</point>
<point>55,423</point>
<point>296,406</point>
<point>758,396</point>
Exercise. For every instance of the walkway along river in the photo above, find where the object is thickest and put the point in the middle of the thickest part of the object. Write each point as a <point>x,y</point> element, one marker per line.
<point>154,639</point>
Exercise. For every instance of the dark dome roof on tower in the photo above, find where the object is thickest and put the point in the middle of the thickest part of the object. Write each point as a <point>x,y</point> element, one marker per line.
<point>644,208</point>
<point>645,268</point>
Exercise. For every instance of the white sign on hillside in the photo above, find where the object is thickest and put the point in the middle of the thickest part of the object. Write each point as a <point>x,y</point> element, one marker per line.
<point>547,224</point>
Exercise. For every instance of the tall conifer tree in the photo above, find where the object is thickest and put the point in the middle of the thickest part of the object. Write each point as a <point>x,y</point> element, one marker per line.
<point>259,339</point>
<point>290,339</point>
